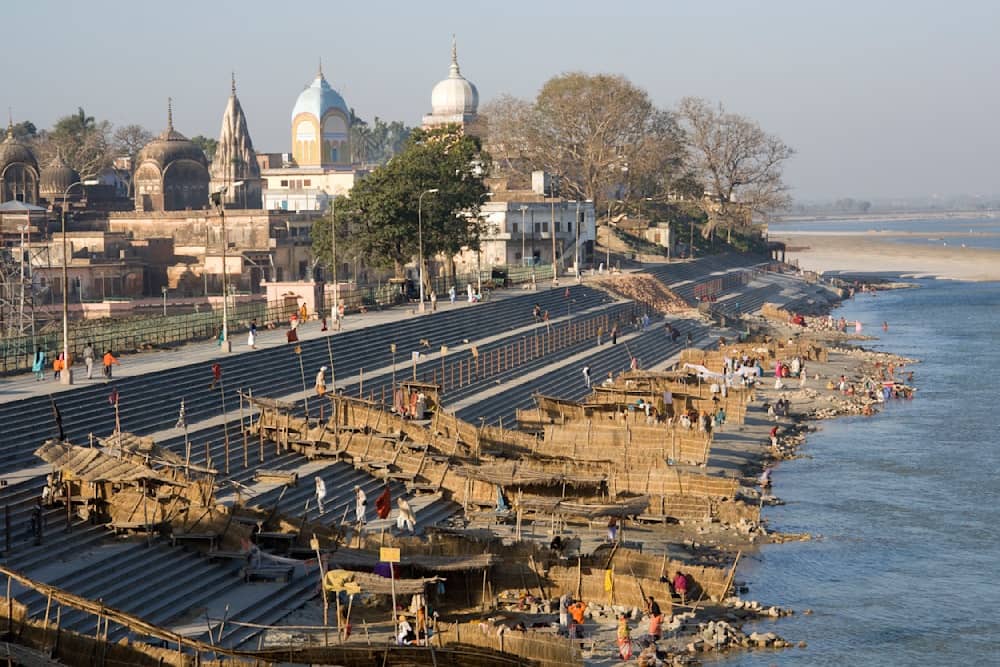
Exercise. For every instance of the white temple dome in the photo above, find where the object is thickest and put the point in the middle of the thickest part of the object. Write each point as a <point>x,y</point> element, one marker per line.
<point>456,95</point>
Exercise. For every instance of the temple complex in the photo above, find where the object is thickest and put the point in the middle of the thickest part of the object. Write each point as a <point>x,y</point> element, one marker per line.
<point>171,173</point>
<point>234,166</point>
<point>455,101</point>
<point>18,170</point>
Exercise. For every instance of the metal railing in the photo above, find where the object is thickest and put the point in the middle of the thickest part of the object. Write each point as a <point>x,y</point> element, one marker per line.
<point>135,333</point>
<point>150,331</point>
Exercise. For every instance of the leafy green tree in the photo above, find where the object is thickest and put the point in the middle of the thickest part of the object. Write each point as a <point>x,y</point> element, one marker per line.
<point>207,144</point>
<point>379,221</point>
<point>25,130</point>
<point>378,142</point>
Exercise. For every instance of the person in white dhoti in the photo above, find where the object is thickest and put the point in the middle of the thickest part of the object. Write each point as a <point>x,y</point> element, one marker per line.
<point>360,504</point>
<point>320,493</point>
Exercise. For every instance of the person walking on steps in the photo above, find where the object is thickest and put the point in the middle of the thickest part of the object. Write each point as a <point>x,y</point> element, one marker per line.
<point>109,361</point>
<point>406,520</point>
<point>88,359</point>
<point>38,365</point>
<point>586,375</point>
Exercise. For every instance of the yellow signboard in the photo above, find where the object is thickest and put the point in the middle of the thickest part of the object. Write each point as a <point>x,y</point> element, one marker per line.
<point>388,554</point>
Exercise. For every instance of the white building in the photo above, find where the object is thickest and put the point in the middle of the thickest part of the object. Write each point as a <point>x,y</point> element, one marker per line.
<point>523,228</point>
<point>320,164</point>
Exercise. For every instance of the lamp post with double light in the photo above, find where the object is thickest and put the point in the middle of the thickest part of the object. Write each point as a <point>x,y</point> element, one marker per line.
<point>420,241</point>
<point>335,309</point>
<point>217,200</point>
<point>66,376</point>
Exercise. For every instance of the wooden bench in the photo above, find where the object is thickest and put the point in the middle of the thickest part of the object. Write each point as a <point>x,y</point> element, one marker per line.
<point>268,573</point>
<point>419,488</point>
<point>119,527</point>
<point>280,476</point>
<point>211,538</point>
<point>278,540</point>
<point>219,554</point>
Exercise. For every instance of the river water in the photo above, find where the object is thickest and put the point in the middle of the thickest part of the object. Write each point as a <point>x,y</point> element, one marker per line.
<point>906,570</point>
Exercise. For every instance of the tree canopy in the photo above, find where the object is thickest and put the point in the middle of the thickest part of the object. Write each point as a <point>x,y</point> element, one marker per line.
<point>82,141</point>
<point>378,142</point>
<point>206,144</point>
<point>129,140</point>
<point>597,134</point>
<point>380,219</point>
<point>737,162</point>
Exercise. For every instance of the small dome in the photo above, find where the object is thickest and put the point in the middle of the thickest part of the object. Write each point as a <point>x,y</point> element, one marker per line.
<point>13,151</point>
<point>57,177</point>
<point>456,95</point>
<point>171,145</point>
<point>319,98</point>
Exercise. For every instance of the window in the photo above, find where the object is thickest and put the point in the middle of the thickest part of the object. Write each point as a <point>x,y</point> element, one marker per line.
<point>284,183</point>
<point>513,228</point>
<point>558,227</point>
<point>307,182</point>
<point>569,226</point>
<point>545,227</point>
<point>517,256</point>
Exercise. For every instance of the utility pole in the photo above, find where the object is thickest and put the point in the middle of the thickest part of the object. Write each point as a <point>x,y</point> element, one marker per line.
<point>552,233</point>
<point>335,309</point>
<point>607,241</point>
<point>523,210</point>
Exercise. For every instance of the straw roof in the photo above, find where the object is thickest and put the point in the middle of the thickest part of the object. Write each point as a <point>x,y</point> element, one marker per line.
<point>630,507</point>
<point>515,473</point>
<point>93,465</point>
<point>272,403</point>
<point>349,558</point>
<point>373,583</point>
<point>145,447</point>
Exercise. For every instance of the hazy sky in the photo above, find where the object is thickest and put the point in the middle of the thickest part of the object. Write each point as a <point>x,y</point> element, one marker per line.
<point>879,98</point>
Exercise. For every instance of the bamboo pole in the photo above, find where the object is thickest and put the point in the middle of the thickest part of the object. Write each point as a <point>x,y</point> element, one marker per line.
<point>225,420</point>
<point>246,436</point>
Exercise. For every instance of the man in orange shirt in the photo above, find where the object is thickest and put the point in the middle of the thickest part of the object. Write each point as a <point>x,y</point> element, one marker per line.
<point>576,611</point>
<point>109,360</point>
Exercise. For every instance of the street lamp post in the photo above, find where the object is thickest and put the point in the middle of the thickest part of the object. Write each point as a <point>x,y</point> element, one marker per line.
<point>66,376</point>
<point>523,211</point>
<point>607,244</point>
<point>420,241</point>
<point>335,309</point>
<point>552,233</point>
<point>576,248</point>
<point>217,199</point>
<point>163,289</point>
<point>479,254</point>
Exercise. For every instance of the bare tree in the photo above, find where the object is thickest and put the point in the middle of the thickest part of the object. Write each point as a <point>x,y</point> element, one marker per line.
<point>737,161</point>
<point>596,133</point>
<point>129,140</point>
<point>83,143</point>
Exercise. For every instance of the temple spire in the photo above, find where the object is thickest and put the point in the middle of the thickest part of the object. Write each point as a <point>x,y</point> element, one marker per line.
<point>170,114</point>
<point>234,82</point>
<point>10,122</point>
<point>320,74</point>
<point>454,56</point>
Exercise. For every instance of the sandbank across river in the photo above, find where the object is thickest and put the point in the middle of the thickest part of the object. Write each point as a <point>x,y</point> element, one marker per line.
<point>871,252</point>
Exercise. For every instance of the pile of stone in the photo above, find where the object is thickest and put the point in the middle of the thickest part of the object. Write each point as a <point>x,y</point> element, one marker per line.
<point>722,636</point>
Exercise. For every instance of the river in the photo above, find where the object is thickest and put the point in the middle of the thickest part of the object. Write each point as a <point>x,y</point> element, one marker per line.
<point>906,567</point>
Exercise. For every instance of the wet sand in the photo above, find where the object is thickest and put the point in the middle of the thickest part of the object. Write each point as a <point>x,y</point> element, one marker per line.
<point>876,252</point>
